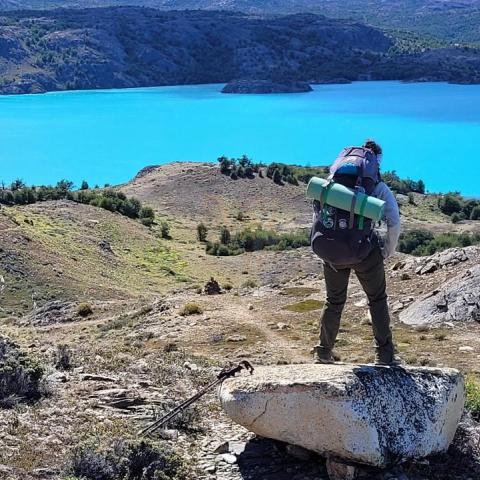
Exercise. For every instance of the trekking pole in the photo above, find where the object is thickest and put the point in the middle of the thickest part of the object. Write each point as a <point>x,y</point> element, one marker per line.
<point>224,374</point>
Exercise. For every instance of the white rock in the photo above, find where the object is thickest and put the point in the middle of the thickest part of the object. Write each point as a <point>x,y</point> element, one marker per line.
<point>362,414</point>
<point>466,349</point>
<point>454,301</point>
<point>228,458</point>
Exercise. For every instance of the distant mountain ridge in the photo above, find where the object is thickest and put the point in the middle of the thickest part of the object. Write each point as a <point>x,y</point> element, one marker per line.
<point>132,46</point>
<point>452,20</point>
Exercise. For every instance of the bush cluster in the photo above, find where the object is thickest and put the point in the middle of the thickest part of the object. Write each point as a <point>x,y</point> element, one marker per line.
<point>458,208</point>
<point>127,460</point>
<point>20,194</point>
<point>403,186</point>
<point>20,376</point>
<point>190,309</point>
<point>249,240</point>
<point>280,173</point>
<point>423,242</point>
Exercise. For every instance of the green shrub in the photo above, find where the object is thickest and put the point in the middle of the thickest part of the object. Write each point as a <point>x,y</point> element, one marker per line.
<point>252,240</point>
<point>147,222</point>
<point>146,212</point>
<point>468,208</point>
<point>202,232</point>
<point>457,217</point>
<point>475,214</point>
<point>109,199</point>
<point>225,235</point>
<point>190,309</point>
<point>84,310</point>
<point>450,203</point>
<point>403,186</point>
<point>20,376</point>
<point>250,283</point>
<point>165,230</point>
<point>63,358</point>
<point>127,460</point>
<point>472,404</point>
<point>422,242</point>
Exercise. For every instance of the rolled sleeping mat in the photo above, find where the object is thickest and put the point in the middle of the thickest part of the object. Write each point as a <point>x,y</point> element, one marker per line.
<point>339,196</point>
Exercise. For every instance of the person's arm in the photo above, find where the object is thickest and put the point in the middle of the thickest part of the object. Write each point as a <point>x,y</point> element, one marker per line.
<point>391,218</point>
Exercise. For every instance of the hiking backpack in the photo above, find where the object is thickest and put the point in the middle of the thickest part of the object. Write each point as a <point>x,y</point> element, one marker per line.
<point>341,237</point>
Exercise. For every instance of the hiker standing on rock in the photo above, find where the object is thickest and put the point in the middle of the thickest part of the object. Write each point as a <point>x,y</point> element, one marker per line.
<point>346,241</point>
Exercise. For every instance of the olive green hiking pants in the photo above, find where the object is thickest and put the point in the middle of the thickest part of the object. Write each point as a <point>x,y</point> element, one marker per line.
<point>371,275</point>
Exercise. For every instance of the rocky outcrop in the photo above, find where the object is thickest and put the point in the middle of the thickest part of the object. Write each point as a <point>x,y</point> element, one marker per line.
<point>50,313</point>
<point>361,414</point>
<point>450,257</point>
<point>445,259</point>
<point>458,300</point>
<point>266,86</point>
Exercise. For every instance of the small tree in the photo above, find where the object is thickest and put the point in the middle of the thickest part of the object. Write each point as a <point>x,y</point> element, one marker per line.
<point>225,236</point>
<point>17,184</point>
<point>146,212</point>
<point>421,186</point>
<point>450,204</point>
<point>202,232</point>
<point>225,164</point>
<point>84,185</point>
<point>277,177</point>
<point>457,217</point>
<point>475,215</point>
<point>64,186</point>
<point>165,230</point>
<point>147,217</point>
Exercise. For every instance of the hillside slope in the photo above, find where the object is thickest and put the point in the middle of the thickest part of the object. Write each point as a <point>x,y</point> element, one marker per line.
<point>127,47</point>
<point>452,20</point>
<point>66,251</point>
<point>138,350</point>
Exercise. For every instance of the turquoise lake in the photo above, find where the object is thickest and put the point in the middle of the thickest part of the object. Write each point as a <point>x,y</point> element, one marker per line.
<point>428,130</point>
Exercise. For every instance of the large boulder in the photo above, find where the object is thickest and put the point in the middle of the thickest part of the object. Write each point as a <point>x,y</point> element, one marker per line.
<point>362,414</point>
<point>458,300</point>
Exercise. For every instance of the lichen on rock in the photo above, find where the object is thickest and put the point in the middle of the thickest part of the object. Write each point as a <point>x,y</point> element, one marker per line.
<point>363,414</point>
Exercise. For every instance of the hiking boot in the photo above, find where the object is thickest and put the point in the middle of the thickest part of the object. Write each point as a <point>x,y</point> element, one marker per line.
<point>388,362</point>
<point>322,355</point>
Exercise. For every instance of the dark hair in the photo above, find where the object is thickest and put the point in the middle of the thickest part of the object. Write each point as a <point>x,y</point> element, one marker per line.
<point>373,146</point>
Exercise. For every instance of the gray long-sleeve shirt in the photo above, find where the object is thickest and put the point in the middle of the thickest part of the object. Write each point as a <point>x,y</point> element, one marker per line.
<point>391,218</point>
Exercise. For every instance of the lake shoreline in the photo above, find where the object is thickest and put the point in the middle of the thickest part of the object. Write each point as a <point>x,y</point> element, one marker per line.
<point>223,84</point>
<point>107,136</point>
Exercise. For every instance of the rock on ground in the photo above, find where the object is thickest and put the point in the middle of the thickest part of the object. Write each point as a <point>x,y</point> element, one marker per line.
<point>446,258</point>
<point>361,414</point>
<point>456,300</point>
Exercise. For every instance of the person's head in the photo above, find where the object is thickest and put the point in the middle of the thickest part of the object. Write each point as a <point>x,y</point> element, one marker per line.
<point>373,146</point>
